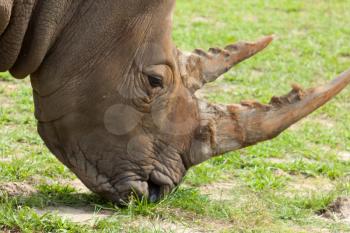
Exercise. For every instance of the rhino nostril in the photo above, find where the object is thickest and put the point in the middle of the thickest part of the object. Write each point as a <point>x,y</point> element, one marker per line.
<point>154,191</point>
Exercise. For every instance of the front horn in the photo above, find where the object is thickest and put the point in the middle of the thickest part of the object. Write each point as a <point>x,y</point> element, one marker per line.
<point>227,128</point>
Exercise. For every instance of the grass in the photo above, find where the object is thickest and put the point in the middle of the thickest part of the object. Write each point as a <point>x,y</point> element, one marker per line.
<point>276,186</point>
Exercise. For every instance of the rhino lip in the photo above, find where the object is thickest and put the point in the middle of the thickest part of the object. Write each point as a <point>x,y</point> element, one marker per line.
<point>156,187</point>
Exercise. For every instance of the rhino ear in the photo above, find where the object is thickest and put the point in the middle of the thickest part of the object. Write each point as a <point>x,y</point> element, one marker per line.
<point>201,67</point>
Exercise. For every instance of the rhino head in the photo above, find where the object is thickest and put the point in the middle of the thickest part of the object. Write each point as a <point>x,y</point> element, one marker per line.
<point>115,99</point>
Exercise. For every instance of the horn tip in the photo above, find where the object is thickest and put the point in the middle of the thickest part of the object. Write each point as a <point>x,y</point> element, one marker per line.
<point>268,39</point>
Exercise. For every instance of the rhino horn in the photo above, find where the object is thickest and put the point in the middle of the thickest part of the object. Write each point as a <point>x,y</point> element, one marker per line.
<point>206,66</point>
<point>227,128</point>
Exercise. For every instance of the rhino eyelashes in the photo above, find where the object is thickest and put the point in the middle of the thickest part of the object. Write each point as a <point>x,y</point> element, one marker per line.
<point>155,81</point>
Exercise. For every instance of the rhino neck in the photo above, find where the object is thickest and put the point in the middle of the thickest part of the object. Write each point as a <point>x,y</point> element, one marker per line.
<point>28,30</point>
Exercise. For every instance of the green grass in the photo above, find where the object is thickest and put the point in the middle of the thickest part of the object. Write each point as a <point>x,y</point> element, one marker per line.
<point>276,186</point>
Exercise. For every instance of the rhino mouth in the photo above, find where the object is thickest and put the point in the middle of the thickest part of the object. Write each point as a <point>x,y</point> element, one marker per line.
<point>151,182</point>
<point>154,191</point>
<point>151,190</point>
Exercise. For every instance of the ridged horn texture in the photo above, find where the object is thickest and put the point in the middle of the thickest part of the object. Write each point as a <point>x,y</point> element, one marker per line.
<point>203,67</point>
<point>227,128</point>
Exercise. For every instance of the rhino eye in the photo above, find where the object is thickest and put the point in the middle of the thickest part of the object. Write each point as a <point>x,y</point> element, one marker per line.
<point>155,81</point>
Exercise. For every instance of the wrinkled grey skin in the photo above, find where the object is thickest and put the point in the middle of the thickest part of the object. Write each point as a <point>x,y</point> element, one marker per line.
<point>90,64</point>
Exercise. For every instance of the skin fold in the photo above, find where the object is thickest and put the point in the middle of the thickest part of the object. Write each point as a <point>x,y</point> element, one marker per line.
<point>115,99</point>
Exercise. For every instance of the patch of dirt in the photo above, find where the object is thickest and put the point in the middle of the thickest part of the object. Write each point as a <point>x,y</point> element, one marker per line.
<point>17,189</point>
<point>301,185</point>
<point>338,210</point>
<point>221,191</point>
<point>80,215</point>
<point>344,155</point>
<point>26,189</point>
<point>8,86</point>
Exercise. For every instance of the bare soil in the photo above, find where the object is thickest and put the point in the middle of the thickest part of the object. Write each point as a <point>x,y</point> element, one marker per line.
<point>338,210</point>
<point>221,191</point>
<point>344,155</point>
<point>301,185</point>
<point>81,215</point>
<point>17,189</point>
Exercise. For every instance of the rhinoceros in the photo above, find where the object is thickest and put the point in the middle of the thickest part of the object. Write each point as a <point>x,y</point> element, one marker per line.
<point>115,99</point>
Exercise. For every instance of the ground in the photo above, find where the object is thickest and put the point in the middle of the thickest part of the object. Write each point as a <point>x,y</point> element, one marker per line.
<point>299,182</point>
